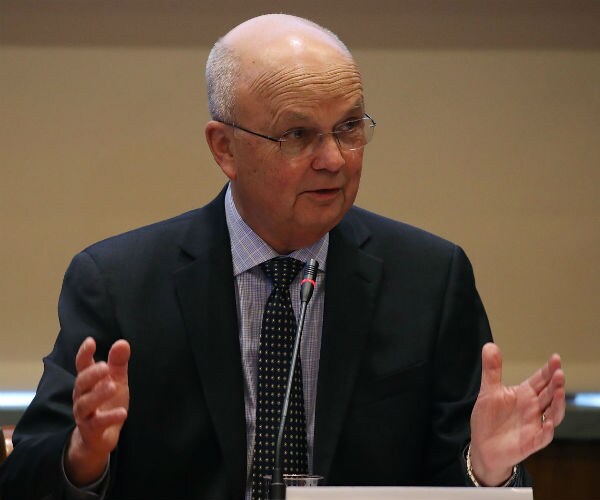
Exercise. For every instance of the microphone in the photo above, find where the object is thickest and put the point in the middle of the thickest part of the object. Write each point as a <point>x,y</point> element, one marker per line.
<point>277,490</point>
<point>307,286</point>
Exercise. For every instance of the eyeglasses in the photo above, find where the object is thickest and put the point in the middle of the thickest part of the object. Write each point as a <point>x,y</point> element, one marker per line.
<point>349,136</point>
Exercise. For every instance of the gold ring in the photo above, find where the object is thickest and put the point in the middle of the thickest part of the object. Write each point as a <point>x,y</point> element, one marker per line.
<point>543,418</point>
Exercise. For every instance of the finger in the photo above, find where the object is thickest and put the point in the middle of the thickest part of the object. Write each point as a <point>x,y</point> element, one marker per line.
<point>88,403</point>
<point>118,358</point>
<point>544,436</point>
<point>113,416</point>
<point>88,378</point>
<point>556,411</point>
<point>85,354</point>
<point>97,423</point>
<point>557,381</point>
<point>542,377</point>
<point>491,366</point>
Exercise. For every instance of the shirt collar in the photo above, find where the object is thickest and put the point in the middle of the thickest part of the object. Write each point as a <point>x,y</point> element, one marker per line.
<point>249,250</point>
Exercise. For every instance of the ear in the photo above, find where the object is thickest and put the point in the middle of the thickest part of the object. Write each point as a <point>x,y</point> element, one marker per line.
<point>220,141</point>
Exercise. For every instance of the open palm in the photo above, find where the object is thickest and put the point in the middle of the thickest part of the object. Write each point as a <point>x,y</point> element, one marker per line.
<point>510,423</point>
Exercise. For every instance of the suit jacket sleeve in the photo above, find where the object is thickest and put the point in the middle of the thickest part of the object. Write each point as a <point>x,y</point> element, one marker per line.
<point>34,470</point>
<point>414,376</point>
<point>161,288</point>
<point>464,328</point>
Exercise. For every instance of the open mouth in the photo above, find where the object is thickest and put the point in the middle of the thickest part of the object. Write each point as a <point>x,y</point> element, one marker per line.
<point>326,191</point>
<point>324,195</point>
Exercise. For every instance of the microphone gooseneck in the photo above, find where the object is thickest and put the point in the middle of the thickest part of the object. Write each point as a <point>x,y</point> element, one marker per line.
<point>277,490</point>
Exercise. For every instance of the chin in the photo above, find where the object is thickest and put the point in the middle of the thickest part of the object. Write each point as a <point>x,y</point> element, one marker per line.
<point>313,232</point>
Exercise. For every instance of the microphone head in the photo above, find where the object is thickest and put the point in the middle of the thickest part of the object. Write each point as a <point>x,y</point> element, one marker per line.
<point>310,269</point>
<point>309,281</point>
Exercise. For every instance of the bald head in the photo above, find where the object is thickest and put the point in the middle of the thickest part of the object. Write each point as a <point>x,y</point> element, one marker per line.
<point>256,53</point>
<point>263,32</point>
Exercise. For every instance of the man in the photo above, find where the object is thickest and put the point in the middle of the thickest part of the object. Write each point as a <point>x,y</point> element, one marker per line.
<point>394,338</point>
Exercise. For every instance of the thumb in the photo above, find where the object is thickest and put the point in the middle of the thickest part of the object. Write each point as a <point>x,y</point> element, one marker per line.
<point>118,358</point>
<point>491,366</point>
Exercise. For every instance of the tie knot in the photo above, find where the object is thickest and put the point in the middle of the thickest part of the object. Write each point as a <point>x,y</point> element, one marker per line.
<point>282,270</point>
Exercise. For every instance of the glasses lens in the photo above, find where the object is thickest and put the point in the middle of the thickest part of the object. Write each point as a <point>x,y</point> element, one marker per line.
<point>355,134</point>
<point>297,141</point>
<point>351,135</point>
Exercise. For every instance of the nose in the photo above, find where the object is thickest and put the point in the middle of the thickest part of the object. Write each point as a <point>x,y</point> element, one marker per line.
<point>327,154</point>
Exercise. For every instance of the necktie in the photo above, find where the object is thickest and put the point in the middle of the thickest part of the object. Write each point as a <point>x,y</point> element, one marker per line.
<point>275,352</point>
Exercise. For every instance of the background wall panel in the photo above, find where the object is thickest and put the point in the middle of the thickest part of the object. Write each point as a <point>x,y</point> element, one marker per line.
<point>488,123</point>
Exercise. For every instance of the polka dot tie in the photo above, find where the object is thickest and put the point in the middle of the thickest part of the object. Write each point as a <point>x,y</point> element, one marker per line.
<point>275,353</point>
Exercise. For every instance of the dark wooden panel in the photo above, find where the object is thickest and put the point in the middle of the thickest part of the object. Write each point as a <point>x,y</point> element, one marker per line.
<point>566,470</point>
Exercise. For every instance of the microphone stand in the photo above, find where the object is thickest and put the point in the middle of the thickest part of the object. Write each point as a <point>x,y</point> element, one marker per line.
<point>277,490</point>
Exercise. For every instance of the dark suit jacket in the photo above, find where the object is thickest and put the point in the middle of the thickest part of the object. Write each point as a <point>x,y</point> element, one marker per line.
<point>399,370</point>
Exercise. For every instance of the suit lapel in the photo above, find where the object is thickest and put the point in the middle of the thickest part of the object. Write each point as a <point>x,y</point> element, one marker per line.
<point>205,290</point>
<point>352,281</point>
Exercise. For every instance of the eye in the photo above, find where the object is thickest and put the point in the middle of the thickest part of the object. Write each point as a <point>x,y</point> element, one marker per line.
<point>349,126</point>
<point>296,134</point>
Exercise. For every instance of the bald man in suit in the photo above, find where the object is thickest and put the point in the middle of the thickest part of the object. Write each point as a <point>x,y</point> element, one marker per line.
<point>150,389</point>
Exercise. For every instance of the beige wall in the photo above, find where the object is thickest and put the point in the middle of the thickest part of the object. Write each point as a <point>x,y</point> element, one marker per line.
<point>488,134</point>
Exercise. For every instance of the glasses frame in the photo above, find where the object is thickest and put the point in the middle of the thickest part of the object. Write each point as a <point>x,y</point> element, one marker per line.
<point>281,139</point>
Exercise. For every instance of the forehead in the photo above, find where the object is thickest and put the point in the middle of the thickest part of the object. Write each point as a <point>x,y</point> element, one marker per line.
<point>290,91</point>
<point>288,63</point>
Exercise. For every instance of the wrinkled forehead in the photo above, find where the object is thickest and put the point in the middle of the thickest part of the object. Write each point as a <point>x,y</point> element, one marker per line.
<point>295,67</point>
<point>299,86</point>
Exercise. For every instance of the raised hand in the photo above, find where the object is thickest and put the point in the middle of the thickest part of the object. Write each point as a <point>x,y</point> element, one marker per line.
<point>510,423</point>
<point>100,405</point>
